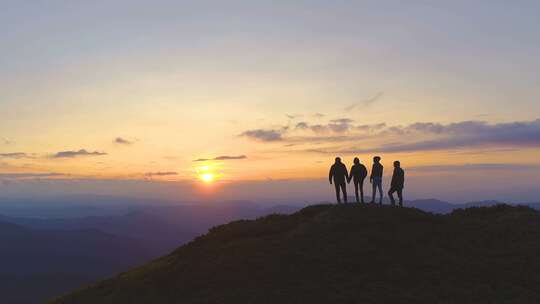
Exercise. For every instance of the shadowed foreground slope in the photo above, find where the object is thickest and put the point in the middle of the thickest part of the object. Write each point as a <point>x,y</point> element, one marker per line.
<point>345,254</point>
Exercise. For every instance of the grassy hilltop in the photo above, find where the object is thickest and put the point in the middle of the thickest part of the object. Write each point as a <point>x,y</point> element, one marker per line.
<point>345,254</point>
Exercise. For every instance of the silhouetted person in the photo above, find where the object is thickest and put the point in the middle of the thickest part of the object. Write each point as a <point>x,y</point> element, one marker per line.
<point>398,181</point>
<point>358,173</point>
<point>376,178</point>
<point>338,172</point>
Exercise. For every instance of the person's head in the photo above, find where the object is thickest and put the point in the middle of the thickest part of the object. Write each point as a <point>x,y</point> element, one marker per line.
<point>397,164</point>
<point>338,160</point>
<point>356,161</point>
<point>377,159</point>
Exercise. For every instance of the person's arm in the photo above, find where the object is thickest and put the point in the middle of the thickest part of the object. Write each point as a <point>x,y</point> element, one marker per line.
<point>331,174</point>
<point>371,175</point>
<point>403,179</point>
<point>349,177</point>
<point>395,178</point>
<point>346,172</point>
<point>364,172</point>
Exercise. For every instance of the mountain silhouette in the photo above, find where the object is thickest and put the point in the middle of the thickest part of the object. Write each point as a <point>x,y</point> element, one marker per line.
<point>345,254</point>
<point>38,264</point>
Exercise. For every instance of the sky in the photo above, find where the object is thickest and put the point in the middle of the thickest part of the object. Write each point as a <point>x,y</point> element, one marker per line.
<point>254,99</point>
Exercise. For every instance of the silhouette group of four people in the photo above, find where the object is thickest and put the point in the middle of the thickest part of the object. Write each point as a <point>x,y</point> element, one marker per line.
<point>358,173</point>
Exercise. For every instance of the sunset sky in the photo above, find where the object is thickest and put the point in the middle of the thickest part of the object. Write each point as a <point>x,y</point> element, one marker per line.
<point>254,99</point>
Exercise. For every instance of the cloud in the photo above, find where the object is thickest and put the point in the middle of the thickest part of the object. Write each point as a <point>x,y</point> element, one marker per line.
<point>475,167</point>
<point>418,136</point>
<point>476,134</point>
<point>429,127</point>
<point>122,141</point>
<point>6,141</point>
<point>461,135</point>
<point>73,154</point>
<point>342,121</point>
<point>365,103</point>
<point>159,173</point>
<point>370,128</point>
<point>292,116</point>
<point>264,135</point>
<point>336,126</point>
<point>15,155</point>
<point>317,128</point>
<point>222,157</point>
<point>29,175</point>
<point>340,125</point>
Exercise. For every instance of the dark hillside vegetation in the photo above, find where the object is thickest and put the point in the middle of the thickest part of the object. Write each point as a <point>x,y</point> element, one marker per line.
<point>345,254</point>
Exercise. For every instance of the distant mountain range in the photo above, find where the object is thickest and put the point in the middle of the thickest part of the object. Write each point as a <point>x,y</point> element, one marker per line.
<point>160,228</point>
<point>437,206</point>
<point>344,254</point>
<point>36,264</point>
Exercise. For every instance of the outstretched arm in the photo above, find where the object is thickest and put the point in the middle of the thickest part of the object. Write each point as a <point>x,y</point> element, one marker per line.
<point>331,174</point>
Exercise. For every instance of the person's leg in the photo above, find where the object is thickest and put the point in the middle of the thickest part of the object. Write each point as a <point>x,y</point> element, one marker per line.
<point>391,196</point>
<point>361,184</point>
<point>380,192</point>
<point>356,191</point>
<point>336,185</point>
<point>374,192</point>
<point>400,196</point>
<point>344,189</point>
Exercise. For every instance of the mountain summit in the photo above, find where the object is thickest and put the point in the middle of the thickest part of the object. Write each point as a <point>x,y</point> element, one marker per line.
<point>345,254</point>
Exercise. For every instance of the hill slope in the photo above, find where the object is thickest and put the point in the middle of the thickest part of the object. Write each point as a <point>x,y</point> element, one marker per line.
<point>345,254</point>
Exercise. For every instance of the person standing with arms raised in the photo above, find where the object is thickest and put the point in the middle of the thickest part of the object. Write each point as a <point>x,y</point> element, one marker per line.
<point>338,173</point>
<point>358,173</point>
<point>376,179</point>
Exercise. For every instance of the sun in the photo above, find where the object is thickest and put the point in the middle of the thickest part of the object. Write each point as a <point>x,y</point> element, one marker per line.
<point>207,177</point>
<point>207,173</point>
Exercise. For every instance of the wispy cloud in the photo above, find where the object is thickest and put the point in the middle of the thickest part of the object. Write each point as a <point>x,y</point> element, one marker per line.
<point>160,173</point>
<point>222,157</point>
<point>475,167</point>
<point>264,135</point>
<point>365,103</point>
<point>293,116</point>
<point>15,155</point>
<point>29,175</point>
<point>123,141</point>
<point>370,128</point>
<point>336,125</point>
<point>80,153</point>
